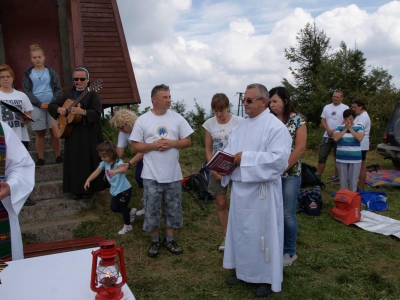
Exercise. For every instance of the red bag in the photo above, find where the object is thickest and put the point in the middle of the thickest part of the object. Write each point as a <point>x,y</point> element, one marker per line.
<point>347,207</point>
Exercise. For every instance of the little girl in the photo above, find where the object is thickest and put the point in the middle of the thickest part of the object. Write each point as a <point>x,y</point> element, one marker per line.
<point>348,153</point>
<point>121,189</point>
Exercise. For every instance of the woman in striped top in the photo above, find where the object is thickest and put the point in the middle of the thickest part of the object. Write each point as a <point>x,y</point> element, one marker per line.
<point>348,153</point>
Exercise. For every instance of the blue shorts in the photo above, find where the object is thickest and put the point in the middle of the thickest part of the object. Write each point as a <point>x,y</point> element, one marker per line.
<point>172,194</point>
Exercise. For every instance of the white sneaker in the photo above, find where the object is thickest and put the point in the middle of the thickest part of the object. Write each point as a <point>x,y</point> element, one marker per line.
<point>125,229</point>
<point>140,212</point>
<point>132,213</point>
<point>287,260</point>
<point>221,247</point>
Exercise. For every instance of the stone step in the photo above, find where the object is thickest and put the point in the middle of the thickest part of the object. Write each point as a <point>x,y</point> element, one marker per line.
<point>53,208</point>
<point>47,190</point>
<point>49,156</point>
<point>49,172</point>
<point>47,145</point>
<point>52,230</point>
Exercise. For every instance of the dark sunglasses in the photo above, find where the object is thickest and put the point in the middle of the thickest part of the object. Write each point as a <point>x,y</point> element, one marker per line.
<point>249,100</point>
<point>80,79</point>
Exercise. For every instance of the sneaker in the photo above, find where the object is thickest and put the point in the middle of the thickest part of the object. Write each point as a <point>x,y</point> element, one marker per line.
<point>172,247</point>
<point>59,160</point>
<point>154,249</point>
<point>40,162</point>
<point>29,202</point>
<point>125,229</point>
<point>288,260</point>
<point>221,247</point>
<point>132,213</point>
<point>334,177</point>
<point>140,212</point>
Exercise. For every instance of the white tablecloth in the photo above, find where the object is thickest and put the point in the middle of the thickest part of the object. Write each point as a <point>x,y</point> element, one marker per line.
<point>62,276</point>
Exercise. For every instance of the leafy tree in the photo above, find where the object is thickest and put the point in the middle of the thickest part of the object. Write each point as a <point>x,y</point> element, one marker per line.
<point>145,110</point>
<point>318,73</point>
<point>311,52</point>
<point>179,106</point>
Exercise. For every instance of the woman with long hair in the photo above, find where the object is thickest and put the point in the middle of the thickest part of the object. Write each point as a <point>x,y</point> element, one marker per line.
<point>281,106</point>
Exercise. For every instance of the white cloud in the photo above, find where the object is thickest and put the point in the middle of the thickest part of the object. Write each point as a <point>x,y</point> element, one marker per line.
<point>203,48</point>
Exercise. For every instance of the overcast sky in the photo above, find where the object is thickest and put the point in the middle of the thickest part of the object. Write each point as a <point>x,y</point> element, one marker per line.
<point>200,48</point>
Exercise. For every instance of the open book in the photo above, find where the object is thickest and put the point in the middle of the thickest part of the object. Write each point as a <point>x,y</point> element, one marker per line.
<point>221,162</point>
<point>16,110</point>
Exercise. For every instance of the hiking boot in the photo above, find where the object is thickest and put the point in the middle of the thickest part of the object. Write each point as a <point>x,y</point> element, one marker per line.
<point>39,162</point>
<point>172,247</point>
<point>125,229</point>
<point>59,160</point>
<point>263,290</point>
<point>288,260</point>
<point>154,249</point>
<point>29,202</point>
<point>132,214</point>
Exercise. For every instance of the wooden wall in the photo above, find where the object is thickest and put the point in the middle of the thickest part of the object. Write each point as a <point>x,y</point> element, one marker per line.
<point>98,42</point>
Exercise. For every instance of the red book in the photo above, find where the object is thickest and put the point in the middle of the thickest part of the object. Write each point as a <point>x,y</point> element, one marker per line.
<point>221,162</point>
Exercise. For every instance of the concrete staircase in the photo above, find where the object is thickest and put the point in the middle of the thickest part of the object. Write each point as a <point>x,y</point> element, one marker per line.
<point>55,215</point>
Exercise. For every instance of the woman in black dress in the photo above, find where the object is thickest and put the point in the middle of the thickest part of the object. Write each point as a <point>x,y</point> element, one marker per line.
<point>80,155</point>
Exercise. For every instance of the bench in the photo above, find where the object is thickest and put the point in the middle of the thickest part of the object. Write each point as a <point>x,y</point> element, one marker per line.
<point>39,249</point>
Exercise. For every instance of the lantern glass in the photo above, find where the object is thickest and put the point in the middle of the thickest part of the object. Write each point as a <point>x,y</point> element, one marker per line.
<point>107,275</point>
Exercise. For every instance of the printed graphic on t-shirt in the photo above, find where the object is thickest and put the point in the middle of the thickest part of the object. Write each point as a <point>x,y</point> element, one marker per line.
<point>9,117</point>
<point>162,131</point>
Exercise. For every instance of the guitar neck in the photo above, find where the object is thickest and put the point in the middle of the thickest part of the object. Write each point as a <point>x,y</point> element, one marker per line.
<point>75,103</point>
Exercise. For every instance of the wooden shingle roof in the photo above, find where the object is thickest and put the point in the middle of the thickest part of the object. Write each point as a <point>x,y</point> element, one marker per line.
<point>97,41</point>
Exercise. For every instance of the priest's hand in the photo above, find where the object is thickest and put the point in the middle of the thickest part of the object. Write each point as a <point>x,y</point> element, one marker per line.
<point>216,175</point>
<point>237,158</point>
<point>4,190</point>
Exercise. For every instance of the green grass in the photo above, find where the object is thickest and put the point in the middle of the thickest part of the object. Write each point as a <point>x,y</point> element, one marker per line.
<point>335,261</point>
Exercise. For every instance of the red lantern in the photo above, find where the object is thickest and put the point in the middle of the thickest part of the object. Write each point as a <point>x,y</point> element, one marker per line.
<point>105,275</point>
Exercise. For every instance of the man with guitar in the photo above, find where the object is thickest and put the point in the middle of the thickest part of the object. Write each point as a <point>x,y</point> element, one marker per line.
<point>77,114</point>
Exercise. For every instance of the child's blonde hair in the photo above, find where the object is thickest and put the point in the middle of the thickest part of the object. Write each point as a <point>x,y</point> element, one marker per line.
<point>35,47</point>
<point>123,117</point>
<point>109,149</point>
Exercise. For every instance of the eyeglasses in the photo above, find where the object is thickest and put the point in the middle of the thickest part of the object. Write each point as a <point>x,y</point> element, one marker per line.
<point>80,79</point>
<point>249,100</point>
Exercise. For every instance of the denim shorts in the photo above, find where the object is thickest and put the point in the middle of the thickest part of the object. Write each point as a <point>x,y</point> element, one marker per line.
<point>154,192</point>
<point>215,187</point>
<point>42,119</point>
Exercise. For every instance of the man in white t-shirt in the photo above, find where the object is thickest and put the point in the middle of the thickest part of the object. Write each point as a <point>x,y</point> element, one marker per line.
<point>331,117</point>
<point>160,133</point>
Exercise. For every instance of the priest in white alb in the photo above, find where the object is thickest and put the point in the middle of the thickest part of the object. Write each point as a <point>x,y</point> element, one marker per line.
<point>17,179</point>
<point>261,146</point>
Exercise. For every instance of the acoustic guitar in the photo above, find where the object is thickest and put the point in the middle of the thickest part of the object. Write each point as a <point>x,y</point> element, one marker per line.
<point>62,127</point>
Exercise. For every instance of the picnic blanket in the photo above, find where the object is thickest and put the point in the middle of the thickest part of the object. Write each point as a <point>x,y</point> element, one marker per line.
<point>373,222</point>
<point>383,177</point>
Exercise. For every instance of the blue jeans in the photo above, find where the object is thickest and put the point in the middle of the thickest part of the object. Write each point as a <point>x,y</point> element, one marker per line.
<point>290,189</point>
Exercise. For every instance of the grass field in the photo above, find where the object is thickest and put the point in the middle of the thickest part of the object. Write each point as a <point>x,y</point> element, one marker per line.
<point>335,261</point>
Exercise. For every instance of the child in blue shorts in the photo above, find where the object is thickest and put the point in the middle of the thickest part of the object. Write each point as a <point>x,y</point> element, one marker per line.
<point>121,189</point>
